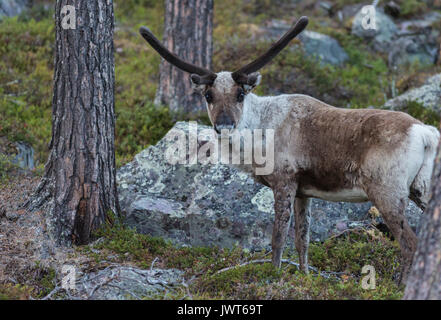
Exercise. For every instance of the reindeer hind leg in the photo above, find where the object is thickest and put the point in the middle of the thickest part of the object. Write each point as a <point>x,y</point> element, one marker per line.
<point>392,208</point>
<point>302,219</point>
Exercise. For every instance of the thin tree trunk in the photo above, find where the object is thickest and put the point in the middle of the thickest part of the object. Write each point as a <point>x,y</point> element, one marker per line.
<point>425,278</point>
<point>188,33</point>
<point>79,183</point>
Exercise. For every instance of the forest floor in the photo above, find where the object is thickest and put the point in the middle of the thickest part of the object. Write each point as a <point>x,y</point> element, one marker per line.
<point>30,263</point>
<point>20,237</point>
<point>29,260</point>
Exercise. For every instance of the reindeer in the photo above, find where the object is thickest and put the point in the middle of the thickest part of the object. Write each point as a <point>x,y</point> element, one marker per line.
<point>321,151</point>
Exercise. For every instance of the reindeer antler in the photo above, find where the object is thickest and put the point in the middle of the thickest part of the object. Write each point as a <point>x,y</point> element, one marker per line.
<point>199,75</point>
<point>240,75</point>
<point>204,76</point>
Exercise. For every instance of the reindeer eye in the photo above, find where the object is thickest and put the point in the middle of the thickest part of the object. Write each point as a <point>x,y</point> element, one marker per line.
<point>240,95</point>
<point>209,97</point>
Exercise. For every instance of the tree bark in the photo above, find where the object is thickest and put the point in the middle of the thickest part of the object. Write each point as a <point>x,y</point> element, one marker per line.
<point>188,33</point>
<point>79,183</point>
<point>425,278</point>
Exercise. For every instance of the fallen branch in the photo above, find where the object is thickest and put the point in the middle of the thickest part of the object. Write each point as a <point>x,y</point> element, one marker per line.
<point>153,263</point>
<point>99,285</point>
<point>263,261</point>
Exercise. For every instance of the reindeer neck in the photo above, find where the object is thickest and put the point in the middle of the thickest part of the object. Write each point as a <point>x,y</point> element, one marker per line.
<point>253,109</point>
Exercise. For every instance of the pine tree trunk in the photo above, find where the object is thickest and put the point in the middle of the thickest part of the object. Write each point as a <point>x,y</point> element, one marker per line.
<point>425,278</point>
<point>188,33</point>
<point>79,183</point>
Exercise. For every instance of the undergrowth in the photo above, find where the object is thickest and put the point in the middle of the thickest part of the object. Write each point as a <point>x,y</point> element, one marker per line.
<point>345,255</point>
<point>35,283</point>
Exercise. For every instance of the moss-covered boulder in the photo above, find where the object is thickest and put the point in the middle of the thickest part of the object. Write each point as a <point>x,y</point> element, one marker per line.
<point>428,96</point>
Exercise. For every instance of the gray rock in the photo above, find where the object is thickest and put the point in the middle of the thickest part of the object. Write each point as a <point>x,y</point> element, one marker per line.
<point>408,42</point>
<point>127,283</point>
<point>214,204</point>
<point>348,11</point>
<point>429,95</point>
<point>416,41</point>
<point>323,47</point>
<point>420,48</point>
<point>326,49</point>
<point>19,153</point>
<point>25,155</point>
<point>423,22</point>
<point>11,8</point>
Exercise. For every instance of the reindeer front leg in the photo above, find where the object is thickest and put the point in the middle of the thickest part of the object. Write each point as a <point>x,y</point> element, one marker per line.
<point>283,207</point>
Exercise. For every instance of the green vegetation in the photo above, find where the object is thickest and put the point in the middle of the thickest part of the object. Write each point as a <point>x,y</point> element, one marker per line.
<point>417,110</point>
<point>39,282</point>
<point>15,292</point>
<point>364,80</point>
<point>26,69</point>
<point>6,166</point>
<point>346,254</point>
<point>44,280</point>
<point>26,81</point>
<point>412,7</point>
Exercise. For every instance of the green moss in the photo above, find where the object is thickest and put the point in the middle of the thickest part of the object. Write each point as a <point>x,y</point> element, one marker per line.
<point>409,8</point>
<point>264,282</point>
<point>419,111</point>
<point>38,281</point>
<point>15,292</point>
<point>351,252</point>
<point>347,254</point>
<point>143,249</point>
<point>231,283</point>
<point>46,283</point>
<point>6,167</point>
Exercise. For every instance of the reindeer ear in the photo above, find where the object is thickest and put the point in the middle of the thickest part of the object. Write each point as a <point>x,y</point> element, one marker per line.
<point>200,83</point>
<point>197,85</point>
<point>252,81</point>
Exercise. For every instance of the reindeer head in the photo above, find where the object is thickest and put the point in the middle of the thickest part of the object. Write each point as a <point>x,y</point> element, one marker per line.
<point>225,92</point>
